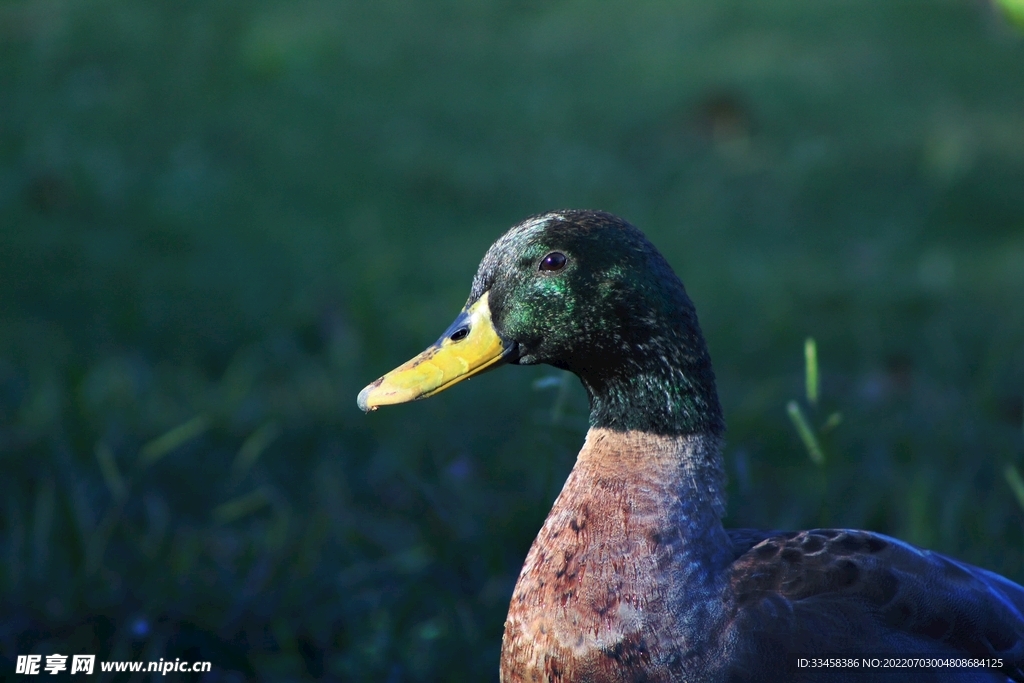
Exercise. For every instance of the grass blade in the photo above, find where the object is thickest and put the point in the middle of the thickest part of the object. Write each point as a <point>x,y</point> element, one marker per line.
<point>811,370</point>
<point>167,442</point>
<point>803,428</point>
<point>1016,483</point>
<point>252,448</point>
<point>833,421</point>
<point>1014,12</point>
<point>547,382</point>
<point>242,506</point>
<point>558,407</point>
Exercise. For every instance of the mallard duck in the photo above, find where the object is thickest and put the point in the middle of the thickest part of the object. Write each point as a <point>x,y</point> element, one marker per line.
<point>633,576</point>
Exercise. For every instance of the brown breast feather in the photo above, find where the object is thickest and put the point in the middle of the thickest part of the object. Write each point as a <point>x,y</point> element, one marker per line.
<point>596,599</point>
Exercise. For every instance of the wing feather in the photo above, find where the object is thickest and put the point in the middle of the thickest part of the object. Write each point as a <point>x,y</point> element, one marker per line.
<point>842,592</point>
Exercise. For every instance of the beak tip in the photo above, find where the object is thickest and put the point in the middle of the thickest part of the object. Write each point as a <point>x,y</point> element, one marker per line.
<point>363,400</point>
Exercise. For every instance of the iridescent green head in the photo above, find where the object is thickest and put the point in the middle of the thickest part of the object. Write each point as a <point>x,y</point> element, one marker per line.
<point>586,292</point>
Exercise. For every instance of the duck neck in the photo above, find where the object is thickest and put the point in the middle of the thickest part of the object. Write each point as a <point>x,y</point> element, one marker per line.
<point>659,383</point>
<point>673,487</point>
<point>656,422</point>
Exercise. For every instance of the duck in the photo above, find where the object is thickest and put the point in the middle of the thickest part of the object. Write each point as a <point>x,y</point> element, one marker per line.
<point>633,576</point>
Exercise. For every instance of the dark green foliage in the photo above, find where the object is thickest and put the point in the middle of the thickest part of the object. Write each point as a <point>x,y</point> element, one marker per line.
<point>220,220</point>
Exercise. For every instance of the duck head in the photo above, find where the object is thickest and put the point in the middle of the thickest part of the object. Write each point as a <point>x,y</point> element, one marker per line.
<point>586,292</point>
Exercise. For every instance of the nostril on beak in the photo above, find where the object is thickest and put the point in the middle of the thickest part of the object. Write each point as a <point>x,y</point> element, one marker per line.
<point>459,334</point>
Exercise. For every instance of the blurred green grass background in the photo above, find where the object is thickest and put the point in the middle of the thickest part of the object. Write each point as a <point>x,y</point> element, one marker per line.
<point>219,220</point>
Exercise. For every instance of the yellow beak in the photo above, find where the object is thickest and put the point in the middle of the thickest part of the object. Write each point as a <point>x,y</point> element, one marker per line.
<point>469,346</point>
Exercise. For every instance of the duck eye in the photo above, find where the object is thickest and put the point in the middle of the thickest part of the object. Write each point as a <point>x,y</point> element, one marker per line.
<point>553,261</point>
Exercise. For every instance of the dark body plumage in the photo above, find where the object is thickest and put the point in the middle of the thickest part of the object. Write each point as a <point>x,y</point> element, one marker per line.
<point>860,593</point>
<point>633,578</point>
